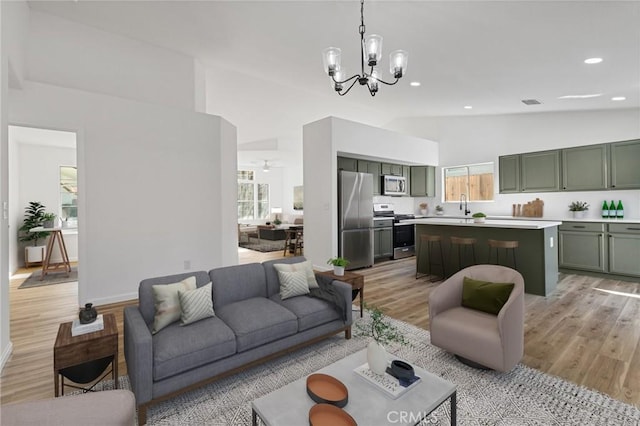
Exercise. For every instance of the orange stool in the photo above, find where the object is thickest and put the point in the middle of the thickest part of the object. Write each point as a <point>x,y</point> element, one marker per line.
<point>506,245</point>
<point>430,241</point>
<point>462,245</point>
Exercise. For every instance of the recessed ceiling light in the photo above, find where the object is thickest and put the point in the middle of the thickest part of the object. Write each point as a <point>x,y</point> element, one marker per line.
<point>618,98</point>
<point>590,95</point>
<point>415,83</point>
<point>468,107</point>
<point>592,61</point>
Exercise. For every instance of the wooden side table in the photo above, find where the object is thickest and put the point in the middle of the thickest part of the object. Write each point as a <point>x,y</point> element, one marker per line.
<point>71,351</point>
<point>356,281</point>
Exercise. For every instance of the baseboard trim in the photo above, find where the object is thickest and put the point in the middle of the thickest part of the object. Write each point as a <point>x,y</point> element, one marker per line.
<point>5,355</point>
<point>125,297</point>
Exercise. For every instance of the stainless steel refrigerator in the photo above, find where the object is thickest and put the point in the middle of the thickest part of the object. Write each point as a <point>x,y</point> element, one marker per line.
<point>355,218</point>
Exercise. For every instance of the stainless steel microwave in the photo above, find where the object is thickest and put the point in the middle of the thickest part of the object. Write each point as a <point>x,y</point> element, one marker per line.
<point>394,185</point>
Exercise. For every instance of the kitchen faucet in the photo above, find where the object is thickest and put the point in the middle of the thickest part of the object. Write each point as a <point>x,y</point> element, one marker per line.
<point>463,199</point>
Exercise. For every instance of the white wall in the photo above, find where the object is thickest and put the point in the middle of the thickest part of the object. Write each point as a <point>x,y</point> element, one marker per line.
<point>38,178</point>
<point>68,54</point>
<point>478,139</point>
<point>158,186</point>
<point>323,141</point>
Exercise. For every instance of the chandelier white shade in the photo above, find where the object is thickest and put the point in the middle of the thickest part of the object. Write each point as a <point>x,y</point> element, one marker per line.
<point>370,54</point>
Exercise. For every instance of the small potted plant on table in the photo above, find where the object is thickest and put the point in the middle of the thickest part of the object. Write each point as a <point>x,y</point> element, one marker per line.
<point>338,265</point>
<point>423,208</point>
<point>439,210</point>
<point>479,217</point>
<point>579,209</point>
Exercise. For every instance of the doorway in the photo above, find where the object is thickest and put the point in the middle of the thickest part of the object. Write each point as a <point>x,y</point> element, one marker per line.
<point>42,169</point>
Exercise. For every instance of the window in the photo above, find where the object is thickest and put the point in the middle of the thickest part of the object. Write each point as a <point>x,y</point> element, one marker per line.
<point>475,181</point>
<point>253,197</point>
<point>68,192</point>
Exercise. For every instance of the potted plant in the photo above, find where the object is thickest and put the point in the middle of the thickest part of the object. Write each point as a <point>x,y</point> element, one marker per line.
<point>48,220</point>
<point>479,217</point>
<point>578,208</point>
<point>338,265</point>
<point>277,222</point>
<point>423,208</point>
<point>439,210</point>
<point>33,218</point>
<point>382,332</point>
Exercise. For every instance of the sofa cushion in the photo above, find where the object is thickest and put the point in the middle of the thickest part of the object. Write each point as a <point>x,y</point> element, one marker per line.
<point>293,284</point>
<point>257,321</point>
<point>310,311</point>
<point>235,283</point>
<point>180,348</point>
<point>195,304</point>
<point>167,302</point>
<point>485,296</point>
<point>271,275</point>
<point>145,291</point>
<point>296,267</point>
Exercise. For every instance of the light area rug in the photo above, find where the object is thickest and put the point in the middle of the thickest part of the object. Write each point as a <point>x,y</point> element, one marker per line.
<point>524,396</point>
<point>52,277</point>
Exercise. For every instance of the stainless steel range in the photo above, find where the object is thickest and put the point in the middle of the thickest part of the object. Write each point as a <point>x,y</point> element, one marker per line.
<point>403,233</point>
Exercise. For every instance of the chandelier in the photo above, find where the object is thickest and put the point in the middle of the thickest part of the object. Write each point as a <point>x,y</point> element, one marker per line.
<point>371,53</point>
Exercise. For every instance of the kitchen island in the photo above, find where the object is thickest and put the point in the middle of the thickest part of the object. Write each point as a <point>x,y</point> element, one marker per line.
<point>537,253</point>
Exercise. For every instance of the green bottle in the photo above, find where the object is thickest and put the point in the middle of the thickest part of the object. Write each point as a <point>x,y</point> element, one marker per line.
<point>605,210</point>
<point>620,210</point>
<point>612,210</point>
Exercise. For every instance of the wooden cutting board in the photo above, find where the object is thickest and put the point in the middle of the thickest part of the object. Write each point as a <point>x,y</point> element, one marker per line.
<point>531,209</point>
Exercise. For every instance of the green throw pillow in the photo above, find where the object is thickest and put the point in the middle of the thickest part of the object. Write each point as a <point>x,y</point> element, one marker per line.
<point>484,295</point>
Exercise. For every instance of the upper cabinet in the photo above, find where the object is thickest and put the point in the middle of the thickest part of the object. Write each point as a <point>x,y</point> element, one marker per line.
<point>391,169</point>
<point>423,181</point>
<point>582,168</point>
<point>509,166</point>
<point>625,169</point>
<point>540,171</point>
<point>372,167</point>
<point>348,164</point>
<point>585,168</point>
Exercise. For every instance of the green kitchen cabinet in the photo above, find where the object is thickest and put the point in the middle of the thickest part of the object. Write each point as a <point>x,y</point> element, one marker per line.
<point>423,181</point>
<point>391,169</point>
<point>582,246</point>
<point>625,172</point>
<point>509,173</point>
<point>624,249</point>
<point>540,171</point>
<point>372,167</point>
<point>348,164</point>
<point>406,173</point>
<point>382,243</point>
<point>585,168</point>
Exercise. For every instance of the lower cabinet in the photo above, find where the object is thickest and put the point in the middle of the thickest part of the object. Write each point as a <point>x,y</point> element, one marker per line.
<point>582,250</point>
<point>600,247</point>
<point>624,249</point>
<point>382,242</point>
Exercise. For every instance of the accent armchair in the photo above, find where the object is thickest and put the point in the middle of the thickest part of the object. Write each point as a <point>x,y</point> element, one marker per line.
<point>493,341</point>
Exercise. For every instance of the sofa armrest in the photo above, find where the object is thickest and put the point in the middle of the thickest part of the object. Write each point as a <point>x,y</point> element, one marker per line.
<point>138,352</point>
<point>345,290</point>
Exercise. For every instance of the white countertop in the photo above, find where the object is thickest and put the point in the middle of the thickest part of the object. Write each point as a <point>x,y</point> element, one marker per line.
<point>489,223</point>
<point>538,219</point>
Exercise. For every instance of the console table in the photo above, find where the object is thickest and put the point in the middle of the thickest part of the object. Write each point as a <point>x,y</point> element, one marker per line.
<point>56,235</point>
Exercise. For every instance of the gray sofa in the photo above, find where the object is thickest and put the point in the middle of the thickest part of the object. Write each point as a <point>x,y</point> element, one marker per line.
<point>251,325</point>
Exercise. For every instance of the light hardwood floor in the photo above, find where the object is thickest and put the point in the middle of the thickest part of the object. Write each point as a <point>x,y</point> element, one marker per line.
<point>587,331</point>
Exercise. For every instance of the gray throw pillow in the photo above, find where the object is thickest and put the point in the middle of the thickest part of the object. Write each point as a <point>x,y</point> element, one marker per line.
<point>167,304</point>
<point>196,304</point>
<point>293,284</point>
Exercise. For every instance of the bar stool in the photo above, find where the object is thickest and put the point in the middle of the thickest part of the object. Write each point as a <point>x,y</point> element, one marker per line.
<point>462,245</point>
<point>430,240</point>
<point>294,241</point>
<point>506,245</point>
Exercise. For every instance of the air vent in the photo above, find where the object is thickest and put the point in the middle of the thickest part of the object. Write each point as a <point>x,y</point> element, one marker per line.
<point>531,102</point>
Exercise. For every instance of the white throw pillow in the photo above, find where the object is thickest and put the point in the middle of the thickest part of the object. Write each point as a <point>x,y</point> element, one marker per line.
<point>196,304</point>
<point>167,303</point>
<point>300,266</point>
<point>293,284</point>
